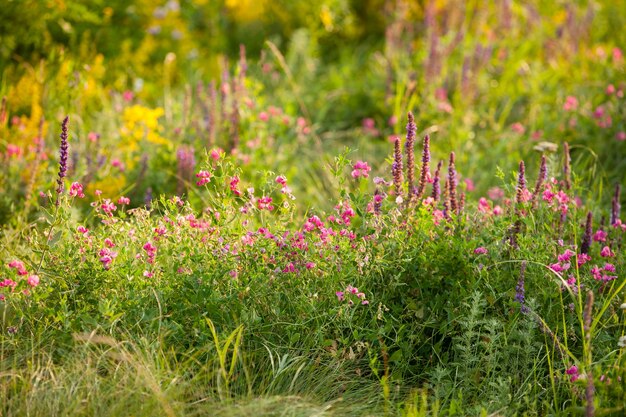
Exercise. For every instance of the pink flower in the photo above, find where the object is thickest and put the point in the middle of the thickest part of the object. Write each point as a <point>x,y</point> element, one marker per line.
<point>548,196</point>
<point>123,200</point>
<point>216,153</point>
<point>33,280</point>
<point>369,126</point>
<point>93,136</point>
<point>204,177</point>
<point>619,225</point>
<point>347,215</point>
<point>438,216</point>
<point>606,252</point>
<point>481,250</point>
<point>369,123</point>
<point>118,164</point>
<point>340,295</point>
<point>598,113</point>
<point>106,257</point>
<point>610,89</point>
<point>352,290</point>
<point>282,180</point>
<point>310,265</point>
<point>609,267</point>
<point>469,185</point>
<point>361,169</point>
<point>234,182</point>
<point>596,273</point>
<point>13,150</point>
<point>128,95</point>
<point>621,136</point>
<point>566,256</point>
<point>19,265</point>
<point>495,193</point>
<point>82,229</point>
<point>571,103</point>
<point>76,190</point>
<point>518,128</point>
<point>583,258</point>
<point>148,274</point>
<point>108,207</point>
<point>600,236</point>
<point>264,117</point>
<point>8,283</point>
<point>265,203</point>
<point>484,206</point>
<point>573,372</point>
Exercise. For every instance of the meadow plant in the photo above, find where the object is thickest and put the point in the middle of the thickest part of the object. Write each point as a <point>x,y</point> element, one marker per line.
<point>425,168</point>
<point>412,191</point>
<point>177,273</point>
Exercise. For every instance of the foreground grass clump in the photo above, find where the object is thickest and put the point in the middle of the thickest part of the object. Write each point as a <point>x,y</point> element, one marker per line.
<point>407,298</point>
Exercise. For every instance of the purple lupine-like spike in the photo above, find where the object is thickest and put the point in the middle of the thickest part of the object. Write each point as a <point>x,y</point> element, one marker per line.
<point>461,202</point>
<point>521,184</point>
<point>147,199</point>
<point>446,202</point>
<point>410,155</point>
<point>436,195</point>
<point>396,168</point>
<point>519,199</point>
<point>452,183</point>
<point>587,237</point>
<point>543,176</point>
<point>425,169</point>
<point>378,201</point>
<point>520,291</point>
<point>615,205</point>
<point>567,166</point>
<point>63,154</point>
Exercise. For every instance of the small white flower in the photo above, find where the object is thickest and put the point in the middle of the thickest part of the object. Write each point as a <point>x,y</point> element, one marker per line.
<point>623,306</point>
<point>622,341</point>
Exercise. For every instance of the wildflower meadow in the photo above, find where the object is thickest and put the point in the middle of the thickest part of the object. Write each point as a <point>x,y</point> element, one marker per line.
<point>332,208</point>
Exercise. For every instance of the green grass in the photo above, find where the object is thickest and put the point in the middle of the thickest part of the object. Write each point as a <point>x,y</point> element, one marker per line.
<point>214,300</point>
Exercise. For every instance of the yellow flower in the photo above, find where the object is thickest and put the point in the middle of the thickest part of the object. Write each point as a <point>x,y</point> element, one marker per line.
<point>142,123</point>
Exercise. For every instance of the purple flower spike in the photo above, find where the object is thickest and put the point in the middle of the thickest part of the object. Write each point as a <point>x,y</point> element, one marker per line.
<point>63,153</point>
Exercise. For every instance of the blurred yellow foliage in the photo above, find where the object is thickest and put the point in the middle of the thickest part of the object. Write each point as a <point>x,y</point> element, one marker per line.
<point>142,123</point>
<point>111,186</point>
<point>246,10</point>
<point>25,97</point>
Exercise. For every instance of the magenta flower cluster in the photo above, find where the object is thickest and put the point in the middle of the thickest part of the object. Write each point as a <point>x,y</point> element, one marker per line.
<point>360,169</point>
<point>352,294</point>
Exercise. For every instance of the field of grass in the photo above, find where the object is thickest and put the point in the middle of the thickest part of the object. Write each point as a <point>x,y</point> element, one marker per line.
<point>333,208</point>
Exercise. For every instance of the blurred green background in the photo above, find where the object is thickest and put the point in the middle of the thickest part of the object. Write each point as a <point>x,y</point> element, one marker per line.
<point>490,80</point>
